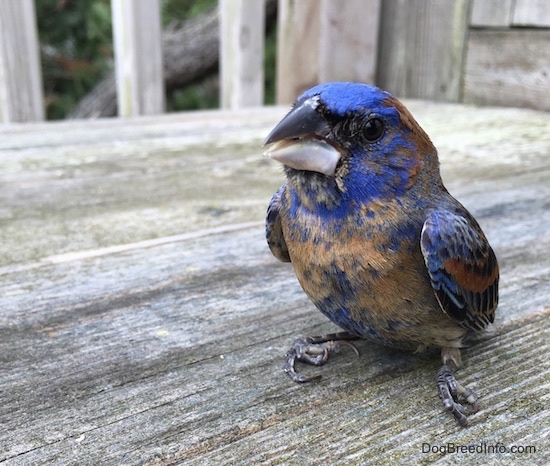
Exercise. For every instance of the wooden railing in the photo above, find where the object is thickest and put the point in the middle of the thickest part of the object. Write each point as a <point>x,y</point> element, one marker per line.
<point>475,51</point>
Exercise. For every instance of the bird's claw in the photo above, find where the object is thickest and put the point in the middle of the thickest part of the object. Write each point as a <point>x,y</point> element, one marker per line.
<point>452,394</point>
<point>315,351</point>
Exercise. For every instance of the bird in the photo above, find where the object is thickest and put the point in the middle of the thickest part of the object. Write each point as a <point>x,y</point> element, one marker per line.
<point>376,241</point>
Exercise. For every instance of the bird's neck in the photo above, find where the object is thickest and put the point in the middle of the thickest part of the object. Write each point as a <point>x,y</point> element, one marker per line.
<point>355,188</point>
<point>315,191</point>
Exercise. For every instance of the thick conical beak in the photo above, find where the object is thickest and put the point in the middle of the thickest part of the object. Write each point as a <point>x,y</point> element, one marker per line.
<point>299,140</point>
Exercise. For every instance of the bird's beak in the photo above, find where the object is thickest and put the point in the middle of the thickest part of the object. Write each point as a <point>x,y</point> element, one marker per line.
<point>299,140</point>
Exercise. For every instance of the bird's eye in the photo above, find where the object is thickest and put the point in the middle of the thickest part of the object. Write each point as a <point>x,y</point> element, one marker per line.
<point>373,129</point>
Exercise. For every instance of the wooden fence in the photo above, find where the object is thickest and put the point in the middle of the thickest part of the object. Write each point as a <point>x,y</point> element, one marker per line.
<point>494,52</point>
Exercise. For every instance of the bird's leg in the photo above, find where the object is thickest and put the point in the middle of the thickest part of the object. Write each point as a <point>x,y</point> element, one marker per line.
<point>451,393</point>
<point>315,350</point>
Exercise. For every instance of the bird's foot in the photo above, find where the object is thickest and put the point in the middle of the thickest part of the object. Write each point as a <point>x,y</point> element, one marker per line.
<point>453,394</point>
<point>315,351</point>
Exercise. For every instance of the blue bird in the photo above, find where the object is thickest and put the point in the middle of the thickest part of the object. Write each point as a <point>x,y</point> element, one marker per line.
<point>375,239</point>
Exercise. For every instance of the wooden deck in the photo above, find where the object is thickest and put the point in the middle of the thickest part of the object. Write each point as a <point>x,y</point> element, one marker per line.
<point>144,320</point>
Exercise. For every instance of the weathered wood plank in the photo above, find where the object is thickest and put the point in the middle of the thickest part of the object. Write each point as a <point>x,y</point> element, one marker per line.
<point>112,182</point>
<point>242,29</point>
<point>181,361</point>
<point>492,13</point>
<point>531,13</point>
<point>297,48</point>
<point>169,351</point>
<point>95,184</point>
<point>138,57</point>
<point>325,41</point>
<point>508,68</point>
<point>21,96</point>
<point>422,48</point>
<point>348,40</point>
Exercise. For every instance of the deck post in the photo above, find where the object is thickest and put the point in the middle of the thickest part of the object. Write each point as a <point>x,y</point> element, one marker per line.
<point>21,95</point>
<point>242,31</point>
<point>138,57</point>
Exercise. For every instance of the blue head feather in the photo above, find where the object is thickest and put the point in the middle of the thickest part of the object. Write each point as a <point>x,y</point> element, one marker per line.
<point>341,98</point>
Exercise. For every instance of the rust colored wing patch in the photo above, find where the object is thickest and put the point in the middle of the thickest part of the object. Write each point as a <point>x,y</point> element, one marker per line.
<point>462,266</point>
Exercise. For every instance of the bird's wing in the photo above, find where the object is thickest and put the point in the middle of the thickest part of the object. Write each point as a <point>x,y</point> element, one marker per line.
<point>273,229</point>
<point>462,266</point>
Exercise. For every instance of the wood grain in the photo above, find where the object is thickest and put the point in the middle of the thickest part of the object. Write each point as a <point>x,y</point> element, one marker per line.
<point>348,40</point>
<point>508,67</point>
<point>137,330</point>
<point>242,31</point>
<point>492,13</point>
<point>297,48</point>
<point>421,48</point>
<point>21,95</point>
<point>138,57</point>
<point>531,13</point>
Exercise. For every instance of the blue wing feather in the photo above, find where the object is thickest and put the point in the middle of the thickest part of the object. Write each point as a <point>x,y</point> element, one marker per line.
<point>273,228</point>
<point>462,267</point>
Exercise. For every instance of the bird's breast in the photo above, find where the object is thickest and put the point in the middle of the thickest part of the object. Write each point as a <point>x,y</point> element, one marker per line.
<point>365,271</point>
<point>361,253</point>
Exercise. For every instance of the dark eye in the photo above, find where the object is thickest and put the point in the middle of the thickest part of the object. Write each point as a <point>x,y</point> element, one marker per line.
<point>373,129</point>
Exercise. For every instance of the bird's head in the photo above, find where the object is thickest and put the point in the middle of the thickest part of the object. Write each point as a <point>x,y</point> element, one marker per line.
<point>357,135</point>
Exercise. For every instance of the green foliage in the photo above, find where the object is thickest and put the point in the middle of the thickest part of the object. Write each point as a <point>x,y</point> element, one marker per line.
<point>196,96</point>
<point>180,10</point>
<point>76,43</point>
<point>193,97</point>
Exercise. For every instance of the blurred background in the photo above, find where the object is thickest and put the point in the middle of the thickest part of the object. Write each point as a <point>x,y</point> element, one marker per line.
<point>76,42</point>
<point>233,53</point>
